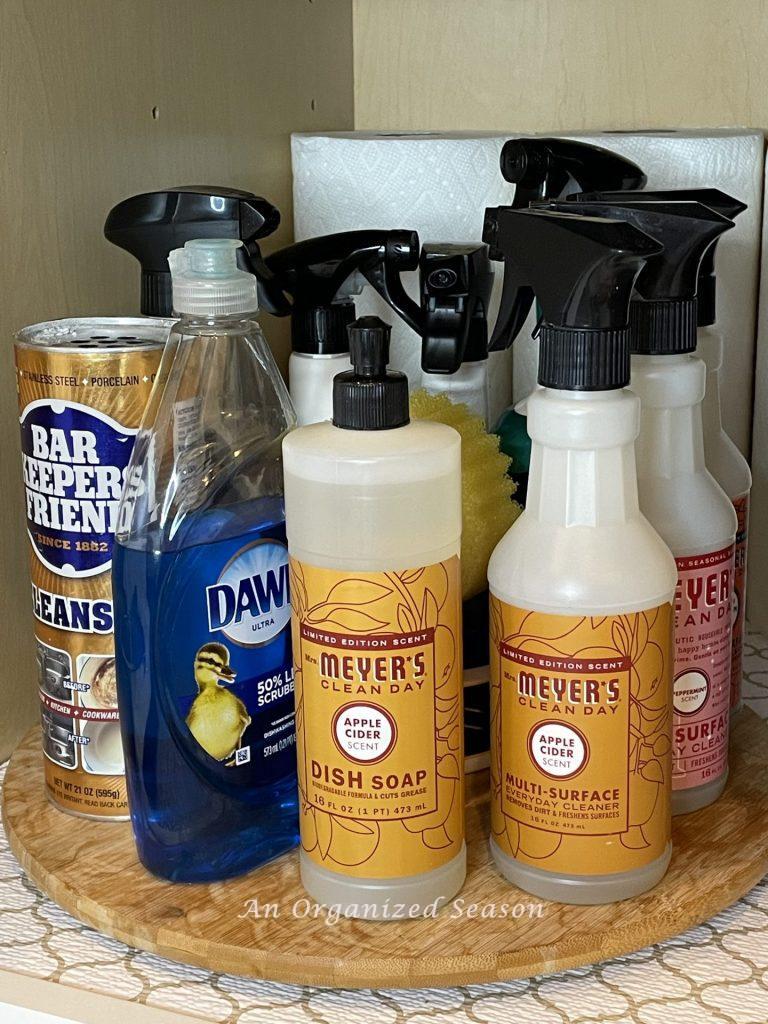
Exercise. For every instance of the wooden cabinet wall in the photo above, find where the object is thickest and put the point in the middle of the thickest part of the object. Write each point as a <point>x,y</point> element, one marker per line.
<point>540,65</point>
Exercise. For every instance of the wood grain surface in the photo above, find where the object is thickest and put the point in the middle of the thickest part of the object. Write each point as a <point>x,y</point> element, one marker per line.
<point>92,871</point>
<point>544,65</point>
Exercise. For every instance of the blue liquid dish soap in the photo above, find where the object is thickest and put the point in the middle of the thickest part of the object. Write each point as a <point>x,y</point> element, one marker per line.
<point>200,579</point>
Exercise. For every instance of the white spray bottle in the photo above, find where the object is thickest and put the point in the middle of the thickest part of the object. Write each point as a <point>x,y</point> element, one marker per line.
<point>722,458</point>
<point>581,586</point>
<point>678,494</point>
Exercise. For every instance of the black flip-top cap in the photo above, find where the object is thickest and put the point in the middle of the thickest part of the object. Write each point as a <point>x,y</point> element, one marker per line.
<point>370,397</point>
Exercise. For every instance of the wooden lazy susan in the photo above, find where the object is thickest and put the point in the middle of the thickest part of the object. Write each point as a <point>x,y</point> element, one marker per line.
<point>91,870</point>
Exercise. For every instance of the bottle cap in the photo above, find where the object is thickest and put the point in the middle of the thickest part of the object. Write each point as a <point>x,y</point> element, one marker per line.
<point>370,397</point>
<point>207,281</point>
<point>321,330</point>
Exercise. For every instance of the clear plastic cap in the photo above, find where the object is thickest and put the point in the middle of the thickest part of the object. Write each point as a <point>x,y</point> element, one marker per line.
<point>207,280</point>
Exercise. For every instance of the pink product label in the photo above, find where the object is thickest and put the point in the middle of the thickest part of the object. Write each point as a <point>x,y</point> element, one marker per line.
<point>741,504</point>
<point>702,687</point>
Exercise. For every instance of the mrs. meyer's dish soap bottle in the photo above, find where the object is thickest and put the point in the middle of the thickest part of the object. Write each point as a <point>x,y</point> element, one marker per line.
<point>200,578</point>
<point>581,587</point>
<point>373,511</point>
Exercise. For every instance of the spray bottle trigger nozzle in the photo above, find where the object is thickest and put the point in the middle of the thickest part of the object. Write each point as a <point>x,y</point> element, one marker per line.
<point>455,284</point>
<point>271,295</point>
<point>516,302</point>
<point>385,279</point>
<point>516,297</point>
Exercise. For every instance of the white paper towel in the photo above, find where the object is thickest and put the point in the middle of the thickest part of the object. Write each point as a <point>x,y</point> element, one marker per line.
<point>439,185</point>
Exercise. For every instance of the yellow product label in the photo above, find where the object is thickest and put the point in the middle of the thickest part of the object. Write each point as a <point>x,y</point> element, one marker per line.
<point>581,726</point>
<point>379,719</point>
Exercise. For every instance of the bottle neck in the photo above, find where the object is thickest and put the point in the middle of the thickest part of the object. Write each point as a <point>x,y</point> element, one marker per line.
<point>671,438</point>
<point>582,470</point>
<point>222,323</point>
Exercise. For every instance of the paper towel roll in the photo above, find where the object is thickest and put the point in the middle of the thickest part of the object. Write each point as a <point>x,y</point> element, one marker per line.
<point>439,185</point>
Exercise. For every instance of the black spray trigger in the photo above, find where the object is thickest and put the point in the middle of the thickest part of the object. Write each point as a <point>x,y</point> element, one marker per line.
<point>321,275</point>
<point>516,297</point>
<point>271,296</point>
<point>151,224</point>
<point>385,276</point>
<point>455,281</point>
<point>548,168</point>
<point>582,271</point>
<point>515,305</point>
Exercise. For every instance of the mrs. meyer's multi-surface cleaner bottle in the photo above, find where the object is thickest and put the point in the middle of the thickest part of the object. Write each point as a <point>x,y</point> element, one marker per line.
<point>201,595</point>
<point>581,586</point>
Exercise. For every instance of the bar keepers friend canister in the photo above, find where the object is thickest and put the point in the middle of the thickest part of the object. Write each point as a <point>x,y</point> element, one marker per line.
<point>82,387</point>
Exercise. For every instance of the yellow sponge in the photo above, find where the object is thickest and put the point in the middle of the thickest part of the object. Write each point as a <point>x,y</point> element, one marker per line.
<point>486,490</point>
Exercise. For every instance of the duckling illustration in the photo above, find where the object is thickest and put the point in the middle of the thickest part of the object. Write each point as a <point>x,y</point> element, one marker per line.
<point>217,718</point>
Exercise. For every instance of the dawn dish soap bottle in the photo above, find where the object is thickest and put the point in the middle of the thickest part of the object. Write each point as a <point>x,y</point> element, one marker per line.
<point>200,578</point>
